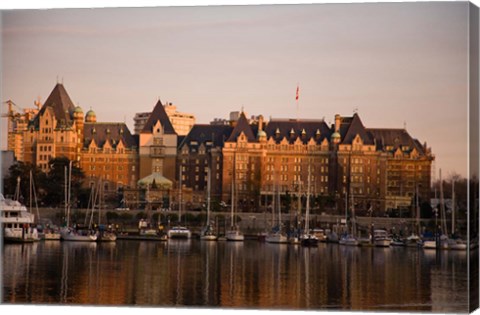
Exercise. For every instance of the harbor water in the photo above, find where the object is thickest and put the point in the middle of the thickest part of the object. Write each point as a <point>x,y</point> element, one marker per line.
<point>249,275</point>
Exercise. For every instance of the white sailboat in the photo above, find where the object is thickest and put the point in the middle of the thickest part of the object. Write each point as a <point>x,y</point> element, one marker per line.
<point>234,234</point>
<point>45,232</point>
<point>276,236</point>
<point>179,231</point>
<point>103,235</point>
<point>349,239</point>
<point>440,241</point>
<point>208,232</point>
<point>455,243</point>
<point>70,233</point>
<point>414,240</point>
<point>307,238</point>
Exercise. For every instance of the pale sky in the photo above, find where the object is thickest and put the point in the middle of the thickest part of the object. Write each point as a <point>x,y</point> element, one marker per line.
<point>396,63</point>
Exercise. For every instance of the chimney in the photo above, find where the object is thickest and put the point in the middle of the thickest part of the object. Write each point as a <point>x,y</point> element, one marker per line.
<point>260,122</point>
<point>337,122</point>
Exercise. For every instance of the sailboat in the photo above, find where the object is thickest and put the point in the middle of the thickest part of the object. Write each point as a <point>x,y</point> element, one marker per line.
<point>349,239</point>
<point>276,235</point>
<point>234,233</point>
<point>307,238</point>
<point>455,243</point>
<point>441,240</point>
<point>208,232</point>
<point>179,231</point>
<point>103,235</point>
<point>70,233</point>
<point>414,239</point>
<point>45,232</point>
<point>294,238</point>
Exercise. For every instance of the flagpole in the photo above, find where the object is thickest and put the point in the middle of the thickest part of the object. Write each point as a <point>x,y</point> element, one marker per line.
<point>296,99</point>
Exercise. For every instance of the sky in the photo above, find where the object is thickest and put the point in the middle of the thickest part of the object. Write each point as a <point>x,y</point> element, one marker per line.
<point>396,64</point>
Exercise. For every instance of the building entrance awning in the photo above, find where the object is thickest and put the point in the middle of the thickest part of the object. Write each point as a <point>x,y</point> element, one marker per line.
<point>155,179</point>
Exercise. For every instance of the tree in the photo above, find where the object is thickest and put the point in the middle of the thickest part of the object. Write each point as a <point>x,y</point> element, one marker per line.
<point>21,170</point>
<point>55,190</point>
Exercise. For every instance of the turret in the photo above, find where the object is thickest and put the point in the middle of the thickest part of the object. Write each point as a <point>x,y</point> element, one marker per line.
<point>90,117</point>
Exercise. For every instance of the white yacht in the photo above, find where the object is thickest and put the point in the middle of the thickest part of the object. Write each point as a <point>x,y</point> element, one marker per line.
<point>17,223</point>
<point>234,235</point>
<point>78,235</point>
<point>276,237</point>
<point>381,238</point>
<point>179,232</point>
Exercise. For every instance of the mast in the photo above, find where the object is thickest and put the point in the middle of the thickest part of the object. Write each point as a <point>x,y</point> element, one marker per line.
<point>69,187</point>
<point>279,205</point>
<point>180,195</point>
<point>30,192</point>
<point>442,207</point>
<point>233,192</point>
<point>208,195</point>
<point>353,212</point>
<point>274,206</point>
<point>307,219</point>
<point>453,206</point>
<point>66,198</point>
<point>33,192</point>
<point>417,211</point>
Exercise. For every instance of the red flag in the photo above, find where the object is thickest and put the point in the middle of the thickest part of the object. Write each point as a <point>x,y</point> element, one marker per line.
<point>296,97</point>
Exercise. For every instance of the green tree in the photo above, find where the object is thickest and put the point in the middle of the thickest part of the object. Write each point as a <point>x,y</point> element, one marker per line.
<point>55,190</point>
<point>21,171</point>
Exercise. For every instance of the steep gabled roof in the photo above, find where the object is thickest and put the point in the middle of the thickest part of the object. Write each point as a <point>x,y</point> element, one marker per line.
<point>303,129</point>
<point>242,126</point>
<point>112,132</point>
<point>394,138</point>
<point>159,114</point>
<point>203,133</point>
<point>352,128</point>
<point>61,104</point>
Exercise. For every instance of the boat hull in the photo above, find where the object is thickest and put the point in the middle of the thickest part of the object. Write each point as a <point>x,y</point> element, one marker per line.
<point>383,242</point>
<point>208,238</point>
<point>234,236</point>
<point>179,233</point>
<point>74,236</point>
<point>276,239</point>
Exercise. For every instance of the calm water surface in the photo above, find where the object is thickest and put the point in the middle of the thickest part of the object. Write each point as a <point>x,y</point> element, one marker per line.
<point>240,275</point>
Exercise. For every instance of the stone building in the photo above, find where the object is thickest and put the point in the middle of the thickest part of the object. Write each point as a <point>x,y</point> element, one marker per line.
<point>17,124</point>
<point>181,122</point>
<point>105,151</point>
<point>109,153</point>
<point>379,169</point>
<point>368,170</point>
<point>199,152</point>
<point>158,145</point>
<point>55,131</point>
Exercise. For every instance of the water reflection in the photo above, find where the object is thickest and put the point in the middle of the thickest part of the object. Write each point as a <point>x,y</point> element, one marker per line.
<point>229,274</point>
